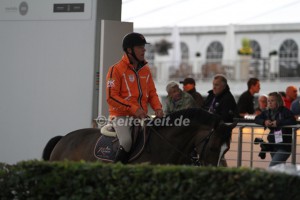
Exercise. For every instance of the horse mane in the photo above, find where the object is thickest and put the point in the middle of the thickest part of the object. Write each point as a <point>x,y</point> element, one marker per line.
<point>194,115</point>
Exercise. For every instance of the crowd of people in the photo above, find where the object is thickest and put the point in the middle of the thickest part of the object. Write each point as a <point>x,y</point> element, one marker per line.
<point>130,88</point>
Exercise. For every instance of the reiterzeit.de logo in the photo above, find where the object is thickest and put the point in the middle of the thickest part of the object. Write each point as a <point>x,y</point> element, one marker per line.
<point>131,121</point>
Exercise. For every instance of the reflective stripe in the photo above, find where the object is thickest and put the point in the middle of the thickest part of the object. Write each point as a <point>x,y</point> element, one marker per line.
<point>147,79</point>
<point>127,87</point>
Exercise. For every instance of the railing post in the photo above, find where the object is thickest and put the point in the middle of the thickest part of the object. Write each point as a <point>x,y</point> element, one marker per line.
<point>251,148</point>
<point>240,143</point>
<point>294,145</point>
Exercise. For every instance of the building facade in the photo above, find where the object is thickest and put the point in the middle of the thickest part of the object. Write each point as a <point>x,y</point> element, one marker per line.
<point>206,51</point>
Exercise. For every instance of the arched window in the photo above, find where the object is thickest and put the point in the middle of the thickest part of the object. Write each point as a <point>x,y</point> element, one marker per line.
<point>214,52</point>
<point>256,50</point>
<point>256,65</point>
<point>184,51</point>
<point>288,59</point>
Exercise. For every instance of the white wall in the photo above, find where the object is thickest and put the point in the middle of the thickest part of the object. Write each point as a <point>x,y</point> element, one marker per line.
<point>47,74</point>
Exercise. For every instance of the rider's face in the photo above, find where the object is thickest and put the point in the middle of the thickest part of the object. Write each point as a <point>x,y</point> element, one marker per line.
<point>140,52</point>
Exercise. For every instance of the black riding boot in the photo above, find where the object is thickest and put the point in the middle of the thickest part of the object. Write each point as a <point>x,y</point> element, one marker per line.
<point>122,156</point>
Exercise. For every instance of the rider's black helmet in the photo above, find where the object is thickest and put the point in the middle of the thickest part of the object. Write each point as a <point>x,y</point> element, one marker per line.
<point>133,39</point>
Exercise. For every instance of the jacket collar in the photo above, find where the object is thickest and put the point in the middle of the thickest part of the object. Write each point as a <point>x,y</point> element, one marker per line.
<point>128,63</point>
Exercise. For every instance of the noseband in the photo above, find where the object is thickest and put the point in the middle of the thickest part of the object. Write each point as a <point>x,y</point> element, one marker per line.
<point>199,160</point>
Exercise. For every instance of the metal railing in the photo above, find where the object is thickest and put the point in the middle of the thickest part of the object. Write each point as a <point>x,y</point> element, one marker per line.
<point>243,149</point>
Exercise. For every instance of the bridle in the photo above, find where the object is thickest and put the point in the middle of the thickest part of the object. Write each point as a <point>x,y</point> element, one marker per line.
<point>197,161</point>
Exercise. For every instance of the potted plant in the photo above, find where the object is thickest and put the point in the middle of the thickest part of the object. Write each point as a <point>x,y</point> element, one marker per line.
<point>245,53</point>
<point>246,47</point>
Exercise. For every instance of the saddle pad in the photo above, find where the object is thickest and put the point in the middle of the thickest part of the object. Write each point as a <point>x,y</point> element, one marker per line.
<point>106,148</point>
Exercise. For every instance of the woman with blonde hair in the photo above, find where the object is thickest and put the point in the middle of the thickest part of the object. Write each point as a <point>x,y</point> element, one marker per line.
<point>276,116</point>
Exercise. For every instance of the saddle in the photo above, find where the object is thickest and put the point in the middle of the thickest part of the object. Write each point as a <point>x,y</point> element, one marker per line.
<point>107,145</point>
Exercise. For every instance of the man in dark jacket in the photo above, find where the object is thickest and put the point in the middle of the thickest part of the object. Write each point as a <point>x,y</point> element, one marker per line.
<point>189,87</point>
<point>220,101</point>
<point>245,103</point>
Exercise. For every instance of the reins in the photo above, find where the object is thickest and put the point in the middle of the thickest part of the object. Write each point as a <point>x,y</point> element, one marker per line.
<point>195,161</point>
<point>204,146</point>
<point>169,143</point>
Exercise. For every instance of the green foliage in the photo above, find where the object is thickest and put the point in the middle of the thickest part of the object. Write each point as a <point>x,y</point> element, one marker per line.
<point>162,47</point>
<point>83,180</point>
<point>246,47</point>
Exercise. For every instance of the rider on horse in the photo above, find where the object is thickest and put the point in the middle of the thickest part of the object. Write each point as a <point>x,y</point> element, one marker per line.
<point>129,89</point>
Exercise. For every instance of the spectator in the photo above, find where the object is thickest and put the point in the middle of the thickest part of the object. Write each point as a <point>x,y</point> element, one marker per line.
<point>220,101</point>
<point>189,87</point>
<point>274,118</point>
<point>178,99</point>
<point>245,103</point>
<point>295,107</point>
<point>291,94</point>
<point>262,104</point>
<point>282,93</point>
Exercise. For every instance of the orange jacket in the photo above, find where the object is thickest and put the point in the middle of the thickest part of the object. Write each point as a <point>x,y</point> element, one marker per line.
<point>128,90</point>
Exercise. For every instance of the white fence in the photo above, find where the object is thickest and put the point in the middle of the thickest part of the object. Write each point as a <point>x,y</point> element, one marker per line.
<point>244,153</point>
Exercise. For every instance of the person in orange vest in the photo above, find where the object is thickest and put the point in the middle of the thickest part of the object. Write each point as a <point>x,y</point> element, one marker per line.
<point>189,86</point>
<point>129,90</point>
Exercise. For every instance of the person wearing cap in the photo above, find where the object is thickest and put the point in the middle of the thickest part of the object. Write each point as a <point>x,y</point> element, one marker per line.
<point>177,99</point>
<point>189,87</point>
<point>129,90</point>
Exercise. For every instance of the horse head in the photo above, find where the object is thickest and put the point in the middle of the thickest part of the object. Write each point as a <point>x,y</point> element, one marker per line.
<point>209,135</point>
<point>213,147</point>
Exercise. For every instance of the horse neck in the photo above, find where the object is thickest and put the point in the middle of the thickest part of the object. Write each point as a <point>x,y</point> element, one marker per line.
<point>170,144</point>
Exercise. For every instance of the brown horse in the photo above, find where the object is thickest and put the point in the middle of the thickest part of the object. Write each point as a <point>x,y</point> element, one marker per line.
<point>169,143</point>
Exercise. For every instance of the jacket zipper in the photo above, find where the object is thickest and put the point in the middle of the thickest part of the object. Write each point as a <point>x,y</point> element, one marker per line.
<point>139,87</point>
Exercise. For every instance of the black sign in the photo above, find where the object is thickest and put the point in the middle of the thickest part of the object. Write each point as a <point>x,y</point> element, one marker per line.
<point>71,7</point>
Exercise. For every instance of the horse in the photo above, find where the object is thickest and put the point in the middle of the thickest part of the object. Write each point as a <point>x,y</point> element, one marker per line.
<point>205,134</point>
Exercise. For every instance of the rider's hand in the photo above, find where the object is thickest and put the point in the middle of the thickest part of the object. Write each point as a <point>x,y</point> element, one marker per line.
<point>159,113</point>
<point>140,113</point>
